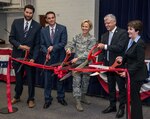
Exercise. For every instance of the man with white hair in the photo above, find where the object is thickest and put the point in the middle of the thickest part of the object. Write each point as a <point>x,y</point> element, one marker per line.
<point>113,44</point>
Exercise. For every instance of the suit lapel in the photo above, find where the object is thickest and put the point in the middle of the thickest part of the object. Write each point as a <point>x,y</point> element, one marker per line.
<point>47,33</point>
<point>21,27</point>
<point>131,47</point>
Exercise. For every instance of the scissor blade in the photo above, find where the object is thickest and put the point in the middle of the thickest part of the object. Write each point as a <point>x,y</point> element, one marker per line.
<point>19,68</point>
<point>66,76</point>
<point>99,66</point>
<point>95,74</point>
<point>56,64</point>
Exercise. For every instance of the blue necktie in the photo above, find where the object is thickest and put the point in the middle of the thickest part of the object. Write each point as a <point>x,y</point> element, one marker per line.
<point>129,44</point>
<point>26,30</point>
<point>109,42</point>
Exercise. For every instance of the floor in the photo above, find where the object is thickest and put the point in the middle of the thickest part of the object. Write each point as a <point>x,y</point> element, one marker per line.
<point>57,111</point>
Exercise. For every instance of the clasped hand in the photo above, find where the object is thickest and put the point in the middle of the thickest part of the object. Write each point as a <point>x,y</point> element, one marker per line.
<point>74,60</point>
<point>24,47</point>
<point>119,59</point>
<point>101,45</point>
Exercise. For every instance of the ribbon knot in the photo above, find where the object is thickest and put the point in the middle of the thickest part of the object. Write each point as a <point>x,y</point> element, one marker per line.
<point>60,73</point>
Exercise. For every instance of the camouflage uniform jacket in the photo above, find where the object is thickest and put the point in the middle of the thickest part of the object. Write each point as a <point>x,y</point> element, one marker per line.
<point>81,46</point>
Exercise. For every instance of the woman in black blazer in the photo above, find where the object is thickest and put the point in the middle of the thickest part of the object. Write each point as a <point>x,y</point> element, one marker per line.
<point>134,61</point>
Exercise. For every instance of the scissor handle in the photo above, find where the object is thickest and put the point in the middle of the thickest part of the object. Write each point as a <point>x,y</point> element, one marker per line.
<point>92,54</point>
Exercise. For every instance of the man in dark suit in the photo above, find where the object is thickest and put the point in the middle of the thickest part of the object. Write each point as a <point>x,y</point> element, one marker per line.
<point>53,40</point>
<point>25,36</point>
<point>113,43</point>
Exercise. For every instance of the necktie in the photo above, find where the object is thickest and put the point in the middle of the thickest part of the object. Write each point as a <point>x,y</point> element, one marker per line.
<point>110,37</point>
<point>52,35</point>
<point>109,42</point>
<point>26,29</point>
<point>130,44</point>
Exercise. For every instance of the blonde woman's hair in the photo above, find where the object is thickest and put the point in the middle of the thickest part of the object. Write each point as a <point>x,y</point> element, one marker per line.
<point>87,21</point>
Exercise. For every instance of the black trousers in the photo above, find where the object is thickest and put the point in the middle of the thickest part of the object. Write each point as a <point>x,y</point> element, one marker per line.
<point>136,104</point>
<point>28,72</point>
<point>114,78</point>
<point>48,84</point>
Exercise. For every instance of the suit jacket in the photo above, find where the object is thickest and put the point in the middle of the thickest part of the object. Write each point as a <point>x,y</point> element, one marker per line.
<point>59,43</point>
<point>134,59</point>
<point>32,40</point>
<point>116,48</point>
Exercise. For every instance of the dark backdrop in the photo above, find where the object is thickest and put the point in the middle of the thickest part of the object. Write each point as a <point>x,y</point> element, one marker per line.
<point>126,10</point>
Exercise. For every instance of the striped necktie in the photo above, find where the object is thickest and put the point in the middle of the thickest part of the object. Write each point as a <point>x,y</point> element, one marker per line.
<point>52,35</point>
<point>26,29</point>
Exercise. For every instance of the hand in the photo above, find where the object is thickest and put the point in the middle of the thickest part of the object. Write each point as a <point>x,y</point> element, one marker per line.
<point>119,59</point>
<point>74,60</point>
<point>68,51</point>
<point>24,47</point>
<point>31,60</point>
<point>122,74</point>
<point>50,48</point>
<point>101,46</point>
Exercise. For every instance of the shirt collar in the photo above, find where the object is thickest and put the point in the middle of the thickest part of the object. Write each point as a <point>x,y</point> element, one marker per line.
<point>137,38</point>
<point>52,27</point>
<point>113,30</point>
<point>29,22</point>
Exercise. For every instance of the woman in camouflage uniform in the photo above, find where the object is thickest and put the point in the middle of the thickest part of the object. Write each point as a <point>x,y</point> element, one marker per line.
<point>81,45</point>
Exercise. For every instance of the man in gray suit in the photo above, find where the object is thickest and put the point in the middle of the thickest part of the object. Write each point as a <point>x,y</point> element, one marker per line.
<point>113,43</point>
<point>25,36</point>
<point>53,40</point>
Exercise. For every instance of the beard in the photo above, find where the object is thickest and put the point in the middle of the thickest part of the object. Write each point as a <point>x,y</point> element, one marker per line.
<point>28,18</point>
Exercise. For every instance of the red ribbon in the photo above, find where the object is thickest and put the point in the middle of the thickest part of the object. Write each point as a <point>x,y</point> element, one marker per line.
<point>34,64</point>
<point>58,70</point>
<point>128,95</point>
<point>8,91</point>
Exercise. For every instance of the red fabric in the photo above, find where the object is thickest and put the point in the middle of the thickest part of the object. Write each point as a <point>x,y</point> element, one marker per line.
<point>8,90</point>
<point>5,52</point>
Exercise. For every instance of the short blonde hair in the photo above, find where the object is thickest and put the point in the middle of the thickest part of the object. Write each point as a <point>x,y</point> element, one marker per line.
<point>87,21</point>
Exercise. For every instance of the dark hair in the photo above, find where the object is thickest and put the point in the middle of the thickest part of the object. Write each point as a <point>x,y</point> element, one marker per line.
<point>50,12</point>
<point>30,7</point>
<point>137,25</point>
